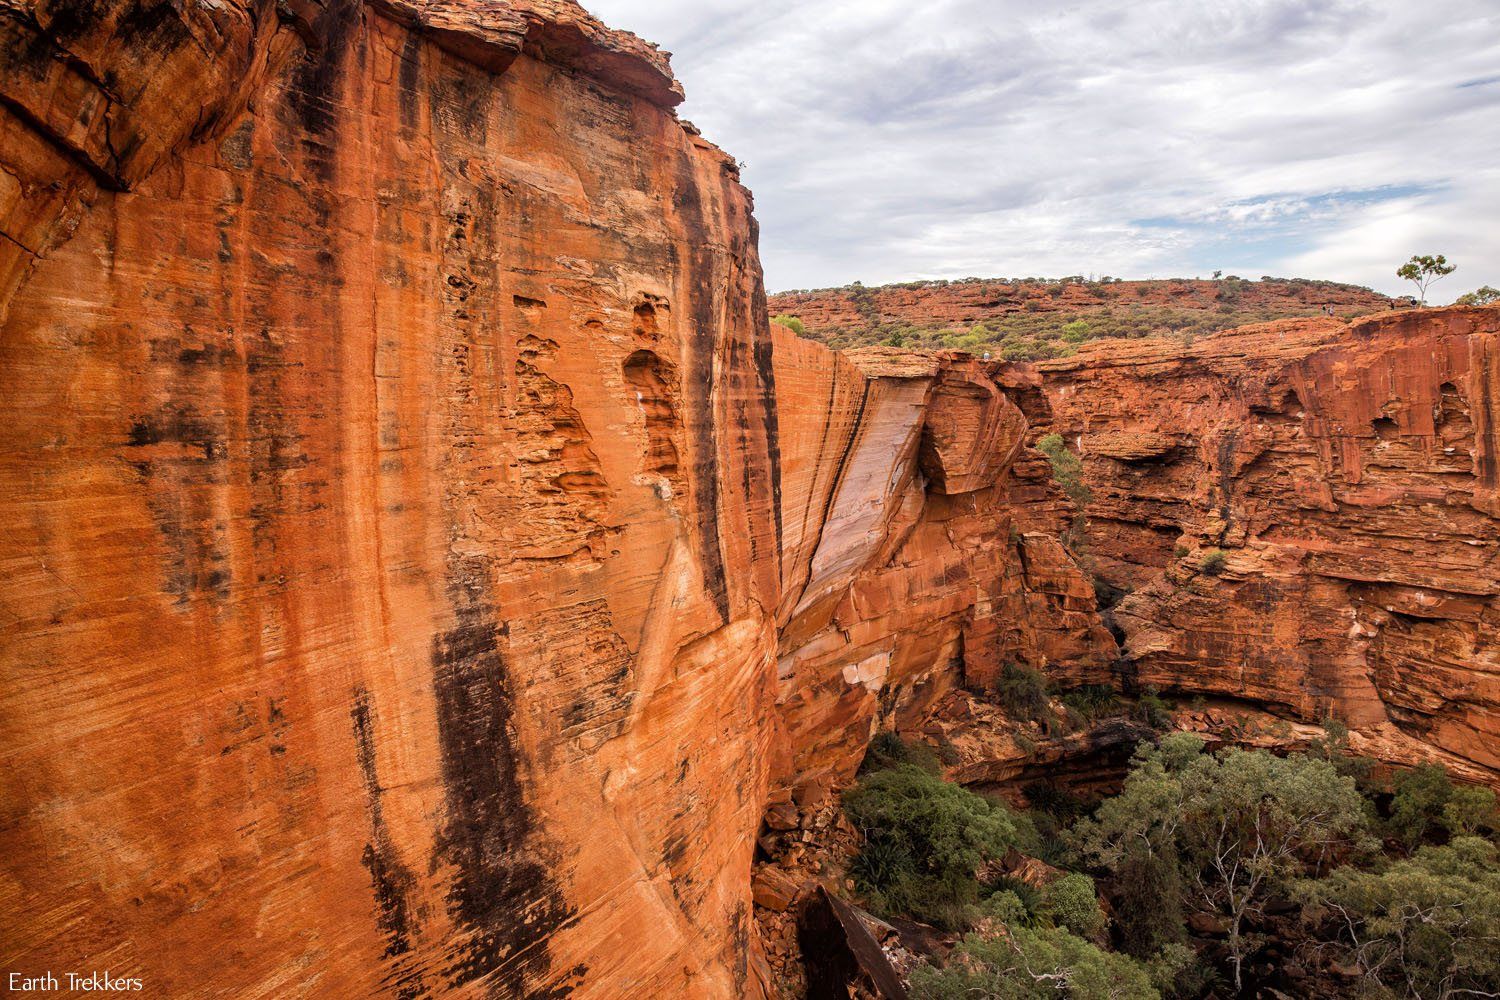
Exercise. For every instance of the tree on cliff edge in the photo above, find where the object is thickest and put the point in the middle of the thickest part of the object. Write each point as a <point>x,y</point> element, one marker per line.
<point>1422,270</point>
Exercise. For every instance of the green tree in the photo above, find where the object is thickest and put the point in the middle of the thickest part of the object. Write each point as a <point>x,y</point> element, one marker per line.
<point>1238,825</point>
<point>1423,269</point>
<point>1470,810</point>
<point>923,841</point>
<point>1426,928</point>
<point>1421,795</point>
<point>1021,963</point>
<point>1254,822</point>
<point>1482,296</point>
<point>1072,902</point>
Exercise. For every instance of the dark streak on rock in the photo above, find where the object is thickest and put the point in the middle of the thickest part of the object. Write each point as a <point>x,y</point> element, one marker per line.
<point>391,881</point>
<point>698,391</point>
<point>502,894</point>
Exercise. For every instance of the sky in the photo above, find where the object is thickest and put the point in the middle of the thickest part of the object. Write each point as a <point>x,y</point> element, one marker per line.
<point>891,141</point>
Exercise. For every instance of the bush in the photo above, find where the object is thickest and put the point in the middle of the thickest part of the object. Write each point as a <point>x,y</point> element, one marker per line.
<point>1093,701</point>
<point>1417,807</point>
<point>887,749</point>
<point>792,323</point>
<point>1023,692</point>
<point>923,841</point>
<point>1470,810</point>
<point>1151,709</point>
<point>1072,902</point>
<point>1067,470</point>
<point>1213,562</point>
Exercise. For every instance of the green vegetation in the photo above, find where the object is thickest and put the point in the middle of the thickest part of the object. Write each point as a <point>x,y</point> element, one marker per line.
<point>1023,692</point>
<point>792,323</point>
<point>1237,827</point>
<point>1483,296</point>
<point>1426,801</point>
<point>1216,867</point>
<point>1093,701</point>
<point>1422,270</point>
<point>1067,469</point>
<point>1213,562</point>
<point>1018,963</point>
<point>924,838</point>
<point>1072,902</point>
<point>1020,325</point>
<point>1428,927</point>
<point>1151,709</point>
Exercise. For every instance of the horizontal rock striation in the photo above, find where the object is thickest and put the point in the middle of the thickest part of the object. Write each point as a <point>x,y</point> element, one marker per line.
<point>1303,515</point>
<point>389,508</point>
<point>424,563</point>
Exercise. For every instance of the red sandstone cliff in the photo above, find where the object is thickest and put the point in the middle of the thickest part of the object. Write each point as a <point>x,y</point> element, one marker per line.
<point>1347,474</point>
<point>424,563</point>
<point>390,552</point>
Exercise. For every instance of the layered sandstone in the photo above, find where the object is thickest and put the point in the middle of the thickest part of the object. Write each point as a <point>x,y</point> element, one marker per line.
<point>1344,475</point>
<point>424,564</point>
<point>389,528</point>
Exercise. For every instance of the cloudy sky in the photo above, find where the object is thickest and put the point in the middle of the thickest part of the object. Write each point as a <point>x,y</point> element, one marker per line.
<point>887,140</point>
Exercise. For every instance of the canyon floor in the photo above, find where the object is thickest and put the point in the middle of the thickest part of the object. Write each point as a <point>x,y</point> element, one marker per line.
<point>428,570</point>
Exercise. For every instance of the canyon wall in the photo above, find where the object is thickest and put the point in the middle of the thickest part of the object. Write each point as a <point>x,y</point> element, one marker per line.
<point>424,564</point>
<point>389,512</point>
<point>1301,516</point>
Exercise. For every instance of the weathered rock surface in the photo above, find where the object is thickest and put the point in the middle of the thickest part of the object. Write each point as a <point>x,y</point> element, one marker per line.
<point>423,564</point>
<point>389,509</point>
<point>1347,473</point>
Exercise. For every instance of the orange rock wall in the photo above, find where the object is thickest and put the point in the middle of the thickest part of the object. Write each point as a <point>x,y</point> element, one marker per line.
<point>423,564</point>
<point>390,558</point>
<point>1348,474</point>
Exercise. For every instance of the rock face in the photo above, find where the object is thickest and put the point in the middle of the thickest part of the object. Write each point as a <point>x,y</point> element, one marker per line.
<point>1304,516</point>
<point>424,565</point>
<point>389,505</point>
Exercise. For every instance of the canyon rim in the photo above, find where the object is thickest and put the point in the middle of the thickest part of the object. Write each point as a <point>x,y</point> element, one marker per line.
<point>429,572</point>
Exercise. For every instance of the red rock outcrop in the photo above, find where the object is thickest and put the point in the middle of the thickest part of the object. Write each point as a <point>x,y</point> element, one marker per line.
<point>424,564</point>
<point>390,551</point>
<point>1304,516</point>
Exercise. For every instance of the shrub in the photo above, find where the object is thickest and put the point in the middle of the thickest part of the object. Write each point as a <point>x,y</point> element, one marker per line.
<point>923,840</point>
<point>1417,807</point>
<point>1213,562</point>
<point>1023,692</point>
<point>1072,902</point>
<point>1093,701</point>
<point>887,749</point>
<point>1067,470</point>
<point>1470,810</point>
<point>1151,709</point>
<point>792,323</point>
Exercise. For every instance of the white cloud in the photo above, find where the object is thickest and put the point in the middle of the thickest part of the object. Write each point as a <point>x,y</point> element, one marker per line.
<point>887,140</point>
